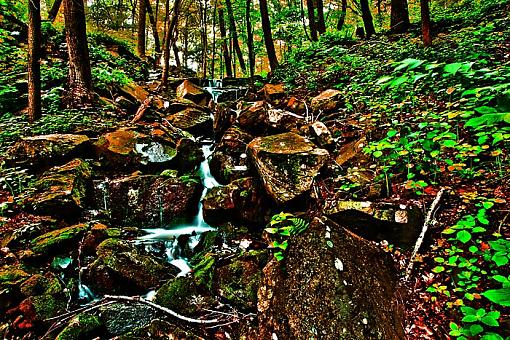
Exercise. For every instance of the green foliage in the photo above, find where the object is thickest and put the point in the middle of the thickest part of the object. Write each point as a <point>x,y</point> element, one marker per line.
<point>282,226</point>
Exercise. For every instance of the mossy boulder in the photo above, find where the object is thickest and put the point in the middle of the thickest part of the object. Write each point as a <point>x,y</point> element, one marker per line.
<point>243,200</point>
<point>178,295</point>
<point>11,276</point>
<point>41,284</point>
<point>82,326</point>
<point>327,101</point>
<point>160,330</point>
<point>36,309</point>
<point>253,119</point>
<point>195,93</point>
<point>335,285</point>
<point>48,149</point>
<point>273,93</point>
<point>121,268</point>
<point>149,200</point>
<point>287,164</point>
<point>58,241</point>
<point>193,120</point>
<point>120,318</point>
<point>62,190</point>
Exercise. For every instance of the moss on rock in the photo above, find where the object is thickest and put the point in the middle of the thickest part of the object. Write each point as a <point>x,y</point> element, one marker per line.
<point>82,326</point>
<point>57,241</point>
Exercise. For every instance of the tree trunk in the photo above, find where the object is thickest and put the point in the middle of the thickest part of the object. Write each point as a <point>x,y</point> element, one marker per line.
<point>142,18</point>
<point>171,24</point>
<point>224,46</point>
<point>34,55</point>
<point>311,19</point>
<point>268,37</point>
<point>80,91</point>
<point>214,40</point>
<point>52,14</point>
<point>343,13</point>
<point>321,24</point>
<point>203,37</point>
<point>251,51</point>
<point>367,18</point>
<point>154,25</point>
<point>233,34</point>
<point>399,16</point>
<point>425,23</point>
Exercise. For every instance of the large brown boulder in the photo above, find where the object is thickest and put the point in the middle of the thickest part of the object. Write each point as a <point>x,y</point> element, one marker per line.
<point>287,164</point>
<point>253,118</point>
<point>327,101</point>
<point>193,120</point>
<point>62,190</point>
<point>335,285</point>
<point>196,94</point>
<point>149,200</point>
<point>273,93</point>
<point>48,149</point>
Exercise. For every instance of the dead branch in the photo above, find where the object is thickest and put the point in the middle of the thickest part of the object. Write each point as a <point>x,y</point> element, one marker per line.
<point>142,109</point>
<point>428,221</point>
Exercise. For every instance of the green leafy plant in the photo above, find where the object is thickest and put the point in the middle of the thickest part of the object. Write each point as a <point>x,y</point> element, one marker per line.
<point>283,226</point>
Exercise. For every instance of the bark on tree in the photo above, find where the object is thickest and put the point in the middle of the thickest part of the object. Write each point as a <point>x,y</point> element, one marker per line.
<point>52,14</point>
<point>214,40</point>
<point>203,37</point>
<point>171,24</point>
<point>80,91</point>
<point>34,55</point>
<point>268,36</point>
<point>142,18</point>
<point>321,23</point>
<point>425,23</point>
<point>234,35</point>
<point>251,51</point>
<point>399,16</point>
<point>224,46</point>
<point>343,13</point>
<point>311,19</point>
<point>367,18</point>
<point>154,25</point>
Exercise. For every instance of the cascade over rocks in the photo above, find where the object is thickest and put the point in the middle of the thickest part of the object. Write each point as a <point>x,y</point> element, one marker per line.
<point>47,149</point>
<point>150,200</point>
<point>287,164</point>
<point>346,291</point>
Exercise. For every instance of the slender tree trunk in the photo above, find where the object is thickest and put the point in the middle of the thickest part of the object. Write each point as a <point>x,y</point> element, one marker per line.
<point>80,91</point>
<point>142,18</point>
<point>214,40</point>
<point>224,46</point>
<point>425,23</point>
<point>367,18</point>
<point>303,21</point>
<point>321,23</point>
<point>134,5</point>
<point>234,36</point>
<point>343,13</point>
<point>203,36</point>
<point>154,25</point>
<point>399,16</point>
<point>172,24</point>
<point>311,19</point>
<point>251,51</point>
<point>34,56</point>
<point>268,37</point>
<point>167,14</point>
<point>52,14</point>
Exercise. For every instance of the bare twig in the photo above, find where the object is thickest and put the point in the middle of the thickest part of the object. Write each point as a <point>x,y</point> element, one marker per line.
<point>160,308</point>
<point>141,110</point>
<point>428,220</point>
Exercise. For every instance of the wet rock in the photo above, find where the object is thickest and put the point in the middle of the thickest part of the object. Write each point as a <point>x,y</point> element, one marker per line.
<point>82,326</point>
<point>179,294</point>
<point>62,190</point>
<point>253,119</point>
<point>242,200</point>
<point>129,148</point>
<point>121,268</point>
<point>48,149</point>
<point>273,93</point>
<point>149,200</point>
<point>195,121</point>
<point>287,164</point>
<point>36,309</point>
<point>296,105</point>
<point>97,234</point>
<point>282,120</point>
<point>344,290</point>
<point>41,284</point>
<point>229,160</point>
<point>327,101</point>
<point>120,318</point>
<point>22,228</point>
<point>159,330</point>
<point>397,223</point>
<point>58,241</point>
<point>238,281</point>
<point>196,94</point>
<point>322,134</point>
<point>11,277</point>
